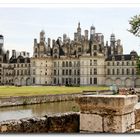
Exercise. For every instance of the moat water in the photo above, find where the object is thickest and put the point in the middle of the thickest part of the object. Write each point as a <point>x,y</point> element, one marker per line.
<point>19,112</point>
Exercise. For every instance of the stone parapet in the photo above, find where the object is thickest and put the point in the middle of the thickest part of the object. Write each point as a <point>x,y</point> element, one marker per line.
<point>27,100</point>
<point>58,123</point>
<point>107,113</point>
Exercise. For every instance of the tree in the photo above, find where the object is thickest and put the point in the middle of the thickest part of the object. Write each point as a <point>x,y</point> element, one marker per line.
<point>135,29</point>
<point>135,25</point>
<point>138,65</point>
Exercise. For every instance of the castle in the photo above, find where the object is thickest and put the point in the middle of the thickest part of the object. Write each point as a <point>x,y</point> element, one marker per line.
<point>85,60</point>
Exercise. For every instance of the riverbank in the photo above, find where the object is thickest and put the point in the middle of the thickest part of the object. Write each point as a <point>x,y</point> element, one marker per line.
<point>39,99</point>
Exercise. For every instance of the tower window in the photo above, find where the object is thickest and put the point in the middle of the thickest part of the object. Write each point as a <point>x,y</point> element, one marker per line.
<point>95,47</point>
<point>108,64</point>
<point>95,54</point>
<point>79,49</point>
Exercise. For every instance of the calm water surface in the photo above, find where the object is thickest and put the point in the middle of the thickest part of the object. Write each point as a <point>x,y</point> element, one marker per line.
<point>18,112</point>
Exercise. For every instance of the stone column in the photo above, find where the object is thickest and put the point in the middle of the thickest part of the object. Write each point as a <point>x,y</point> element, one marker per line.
<point>107,113</point>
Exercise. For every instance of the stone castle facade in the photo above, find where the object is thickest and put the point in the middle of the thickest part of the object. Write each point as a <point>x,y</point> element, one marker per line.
<point>85,60</point>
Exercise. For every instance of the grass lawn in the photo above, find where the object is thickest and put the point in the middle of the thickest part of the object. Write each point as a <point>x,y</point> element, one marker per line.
<point>44,90</point>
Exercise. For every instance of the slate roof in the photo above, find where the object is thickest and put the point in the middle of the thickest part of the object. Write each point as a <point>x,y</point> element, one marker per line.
<point>20,58</point>
<point>119,57</point>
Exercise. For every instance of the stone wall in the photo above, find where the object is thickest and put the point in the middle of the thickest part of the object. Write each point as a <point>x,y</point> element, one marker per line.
<point>59,123</point>
<point>24,100</point>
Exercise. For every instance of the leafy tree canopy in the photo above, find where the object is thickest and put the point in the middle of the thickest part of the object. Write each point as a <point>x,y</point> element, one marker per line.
<point>135,25</point>
<point>138,65</point>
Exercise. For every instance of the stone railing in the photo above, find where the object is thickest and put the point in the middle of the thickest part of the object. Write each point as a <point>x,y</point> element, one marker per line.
<point>107,113</point>
<point>61,123</point>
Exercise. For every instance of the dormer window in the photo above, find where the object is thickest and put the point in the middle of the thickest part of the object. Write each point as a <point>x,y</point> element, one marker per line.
<point>132,57</point>
<point>122,57</point>
<point>113,58</point>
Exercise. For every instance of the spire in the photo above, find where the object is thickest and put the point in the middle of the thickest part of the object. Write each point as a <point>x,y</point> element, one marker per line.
<point>78,24</point>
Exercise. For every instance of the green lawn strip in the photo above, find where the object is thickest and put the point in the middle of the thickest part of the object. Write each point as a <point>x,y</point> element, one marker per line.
<point>42,90</point>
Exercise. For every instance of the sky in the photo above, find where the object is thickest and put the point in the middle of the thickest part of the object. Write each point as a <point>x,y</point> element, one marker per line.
<point>21,25</point>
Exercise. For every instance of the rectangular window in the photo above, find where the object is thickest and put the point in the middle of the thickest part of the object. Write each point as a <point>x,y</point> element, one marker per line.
<point>54,72</point>
<point>54,64</point>
<point>122,71</point>
<point>127,63</point>
<point>90,80</point>
<point>90,71</point>
<point>90,62</point>
<point>63,81</point>
<point>108,71</point>
<point>95,71</point>
<point>127,71</point>
<point>133,72</point>
<point>69,72</point>
<point>113,72</point>
<point>63,72</point>
<point>78,72</point>
<point>95,81</point>
<point>118,72</point>
<point>95,62</point>
<point>74,80</point>
<point>33,80</point>
<point>66,72</point>
<point>74,72</point>
<point>95,47</point>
